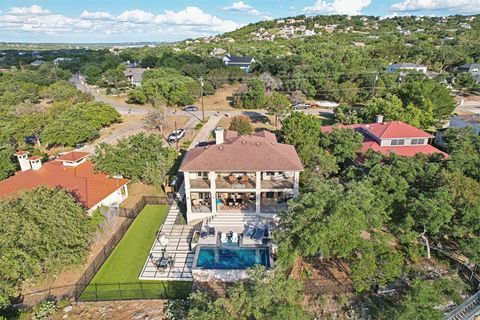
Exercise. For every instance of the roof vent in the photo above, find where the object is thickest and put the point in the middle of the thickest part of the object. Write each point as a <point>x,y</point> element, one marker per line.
<point>258,143</point>
<point>243,141</point>
<point>221,147</point>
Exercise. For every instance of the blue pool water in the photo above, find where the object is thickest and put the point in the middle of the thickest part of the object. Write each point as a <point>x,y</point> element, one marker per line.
<point>232,257</point>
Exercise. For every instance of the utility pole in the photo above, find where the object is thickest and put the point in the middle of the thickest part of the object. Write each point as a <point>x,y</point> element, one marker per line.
<point>176,137</point>
<point>201,97</point>
<point>375,85</point>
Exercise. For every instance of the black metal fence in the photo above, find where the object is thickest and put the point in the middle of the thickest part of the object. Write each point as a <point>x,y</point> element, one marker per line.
<point>75,291</point>
<point>137,290</point>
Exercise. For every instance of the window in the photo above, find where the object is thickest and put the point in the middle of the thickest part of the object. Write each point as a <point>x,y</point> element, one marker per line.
<point>397,142</point>
<point>202,175</point>
<point>418,141</point>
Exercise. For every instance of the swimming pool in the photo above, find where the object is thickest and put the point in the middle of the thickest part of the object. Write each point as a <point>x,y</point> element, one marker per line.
<point>232,257</point>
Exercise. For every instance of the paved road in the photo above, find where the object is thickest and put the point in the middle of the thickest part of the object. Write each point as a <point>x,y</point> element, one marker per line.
<point>195,117</point>
<point>122,108</point>
<point>471,106</point>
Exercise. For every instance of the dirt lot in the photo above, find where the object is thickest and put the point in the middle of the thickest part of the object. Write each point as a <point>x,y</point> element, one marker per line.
<point>136,190</point>
<point>220,100</point>
<point>118,310</point>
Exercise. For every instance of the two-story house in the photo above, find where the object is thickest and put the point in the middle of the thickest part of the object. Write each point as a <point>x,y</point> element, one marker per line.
<point>243,63</point>
<point>389,137</point>
<point>240,174</point>
<point>406,67</point>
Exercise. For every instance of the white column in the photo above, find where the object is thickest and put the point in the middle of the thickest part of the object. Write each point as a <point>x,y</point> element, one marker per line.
<point>188,200</point>
<point>258,189</point>
<point>296,183</point>
<point>213,191</point>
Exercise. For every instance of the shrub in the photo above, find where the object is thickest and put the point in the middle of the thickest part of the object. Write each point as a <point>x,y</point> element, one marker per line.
<point>241,124</point>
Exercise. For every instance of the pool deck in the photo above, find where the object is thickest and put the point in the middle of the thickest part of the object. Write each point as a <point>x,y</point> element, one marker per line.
<point>178,247</point>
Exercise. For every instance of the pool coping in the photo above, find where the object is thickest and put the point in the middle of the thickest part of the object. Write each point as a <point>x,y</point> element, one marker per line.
<point>221,274</point>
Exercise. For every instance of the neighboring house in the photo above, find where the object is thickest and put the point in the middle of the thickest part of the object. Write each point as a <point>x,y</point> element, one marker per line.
<point>391,137</point>
<point>37,63</point>
<point>406,66</point>
<point>218,52</point>
<point>135,75</point>
<point>243,63</point>
<point>72,172</point>
<point>61,59</point>
<point>472,68</point>
<point>251,174</point>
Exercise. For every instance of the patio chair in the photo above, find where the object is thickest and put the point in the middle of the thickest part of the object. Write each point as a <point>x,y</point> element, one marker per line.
<point>249,231</point>
<point>171,261</point>
<point>232,179</point>
<point>244,180</point>
<point>223,237</point>
<point>234,237</point>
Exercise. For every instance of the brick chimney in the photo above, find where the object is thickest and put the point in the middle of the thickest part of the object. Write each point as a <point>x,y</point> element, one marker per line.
<point>22,157</point>
<point>219,139</point>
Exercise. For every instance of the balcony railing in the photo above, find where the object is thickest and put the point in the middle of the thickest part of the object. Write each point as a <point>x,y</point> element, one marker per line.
<point>278,184</point>
<point>233,183</point>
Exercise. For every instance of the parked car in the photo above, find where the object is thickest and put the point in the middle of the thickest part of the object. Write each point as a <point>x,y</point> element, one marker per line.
<point>300,106</point>
<point>176,135</point>
<point>190,108</point>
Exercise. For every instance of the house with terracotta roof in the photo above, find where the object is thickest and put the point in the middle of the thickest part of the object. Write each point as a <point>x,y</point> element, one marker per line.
<point>252,174</point>
<point>72,172</point>
<point>390,137</point>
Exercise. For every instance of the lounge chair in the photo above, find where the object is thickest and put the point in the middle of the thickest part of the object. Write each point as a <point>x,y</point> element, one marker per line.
<point>223,237</point>
<point>232,179</point>
<point>244,180</point>
<point>249,231</point>
<point>234,237</point>
<point>211,231</point>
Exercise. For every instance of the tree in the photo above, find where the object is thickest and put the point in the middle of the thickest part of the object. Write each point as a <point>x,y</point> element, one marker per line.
<point>7,166</point>
<point>92,73</point>
<point>463,146</point>
<point>267,295</point>
<point>42,231</point>
<point>345,114</point>
<point>271,83</point>
<point>254,97</point>
<point>139,157</point>
<point>348,92</point>
<point>241,124</point>
<point>344,144</point>
<point>137,96</point>
<point>278,105</point>
<point>297,97</point>
<point>155,119</point>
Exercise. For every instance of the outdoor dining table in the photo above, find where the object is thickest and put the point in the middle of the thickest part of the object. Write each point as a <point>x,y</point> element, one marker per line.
<point>162,263</point>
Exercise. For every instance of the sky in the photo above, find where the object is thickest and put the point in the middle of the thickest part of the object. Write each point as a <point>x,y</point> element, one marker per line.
<point>167,20</point>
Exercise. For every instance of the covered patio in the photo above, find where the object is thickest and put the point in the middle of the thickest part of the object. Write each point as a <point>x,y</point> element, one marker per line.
<point>236,202</point>
<point>272,202</point>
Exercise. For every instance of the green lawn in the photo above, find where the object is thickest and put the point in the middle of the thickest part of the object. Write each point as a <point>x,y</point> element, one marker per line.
<point>123,266</point>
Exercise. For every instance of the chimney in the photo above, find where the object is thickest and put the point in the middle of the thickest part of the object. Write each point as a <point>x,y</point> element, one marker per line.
<point>35,162</point>
<point>22,157</point>
<point>219,135</point>
<point>379,118</point>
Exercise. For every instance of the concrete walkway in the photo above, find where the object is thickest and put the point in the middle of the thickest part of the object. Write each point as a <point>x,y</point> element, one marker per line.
<point>205,132</point>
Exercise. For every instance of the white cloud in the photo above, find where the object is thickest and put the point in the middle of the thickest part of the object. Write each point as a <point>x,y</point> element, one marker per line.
<point>34,9</point>
<point>464,6</point>
<point>349,7</point>
<point>99,15</point>
<point>241,6</point>
<point>189,22</point>
<point>136,16</point>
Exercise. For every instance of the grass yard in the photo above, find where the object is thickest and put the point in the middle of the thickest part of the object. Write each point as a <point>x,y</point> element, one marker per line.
<point>118,277</point>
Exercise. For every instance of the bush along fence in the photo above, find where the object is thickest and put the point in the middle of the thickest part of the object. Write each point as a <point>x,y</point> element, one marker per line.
<point>75,291</point>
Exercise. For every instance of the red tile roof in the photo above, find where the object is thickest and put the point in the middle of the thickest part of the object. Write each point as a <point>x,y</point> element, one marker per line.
<point>34,158</point>
<point>73,156</point>
<point>21,153</point>
<point>390,130</point>
<point>256,152</point>
<point>89,187</point>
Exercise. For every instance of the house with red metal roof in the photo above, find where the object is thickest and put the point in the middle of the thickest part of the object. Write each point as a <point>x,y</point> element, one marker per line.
<point>390,137</point>
<point>240,176</point>
<point>72,172</point>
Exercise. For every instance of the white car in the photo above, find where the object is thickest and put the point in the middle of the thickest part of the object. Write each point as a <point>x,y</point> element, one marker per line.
<point>176,135</point>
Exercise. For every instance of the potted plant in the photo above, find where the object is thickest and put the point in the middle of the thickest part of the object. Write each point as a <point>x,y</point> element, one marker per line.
<point>195,240</point>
